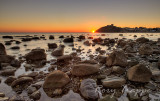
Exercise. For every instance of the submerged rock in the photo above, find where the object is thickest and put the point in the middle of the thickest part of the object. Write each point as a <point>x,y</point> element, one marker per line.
<point>88,89</point>
<point>113,82</point>
<point>83,69</point>
<point>116,58</point>
<point>36,54</point>
<point>139,73</point>
<point>2,49</point>
<point>56,79</point>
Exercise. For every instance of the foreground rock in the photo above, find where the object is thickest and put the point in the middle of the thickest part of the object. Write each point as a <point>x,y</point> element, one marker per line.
<point>58,51</point>
<point>117,58</point>
<point>22,80</point>
<point>139,73</point>
<point>145,49</point>
<point>88,89</point>
<point>84,69</point>
<point>2,49</point>
<point>56,79</point>
<point>36,54</point>
<point>113,82</point>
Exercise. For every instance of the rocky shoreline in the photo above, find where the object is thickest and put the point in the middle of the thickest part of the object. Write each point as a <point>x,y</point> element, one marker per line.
<point>130,72</point>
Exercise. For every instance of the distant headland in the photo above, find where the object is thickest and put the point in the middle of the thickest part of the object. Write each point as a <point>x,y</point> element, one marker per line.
<point>113,29</point>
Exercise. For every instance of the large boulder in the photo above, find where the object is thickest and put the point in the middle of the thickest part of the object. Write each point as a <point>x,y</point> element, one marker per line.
<point>36,54</point>
<point>58,51</point>
<point>67,40</point>
<point>145,49</point>
<point>2,49</point>
<point>56,79</point>
<point>117,58</point>
<point>88,89</point>
<point>84,69</point>
<point>139,73</point>
<point>113,82</point>
<point>22,80</point>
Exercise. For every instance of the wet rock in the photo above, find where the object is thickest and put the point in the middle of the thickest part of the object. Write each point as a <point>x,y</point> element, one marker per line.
<point>156,75</point>
<point>2,49</point>
<point>97,40</point>
<point>129,49</point>
<point>83,69</point>
<point>31,89</point>
<point>81,37</point>
<point>8,43</point>
<point>116,58</point>
<point>26,39</point>
<point>142,40</point>
<point>22,80</point>
<point>7,37</point>
<point>133,62</point>
<point>32,75</point>
<point>29,66</point>
<point>8,72</point>
<point>56,79</point>
<point>139,73</point>
<point>36,95</point>
<point>17,98</point>
<point>15,47</point>
<point>37,85</point>
<point>88,89</point>
<point>89,62</point>
<point>6,58</point>
<point>101,59</point>
<point>121,43</point>
<point>118,70</point>
<point>35,38</point>
<point>58,51</point>
<point>18,42</point>
<point>133,96</point>
<point>15,63</point>
<point>57,92</point>
<point>36,54</point>
<point>52,45</point>
<point>145,49</point>
<point>108,98</point>
<point>64,58</point>
<point>61,36</point>
<point>113,82</point>
<point>68,40</point>
<point>51,37</point>
<point>10,79</point>
<point>87,43</point>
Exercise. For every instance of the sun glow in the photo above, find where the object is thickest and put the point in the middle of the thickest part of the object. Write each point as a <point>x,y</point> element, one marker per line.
<point>93,31</point>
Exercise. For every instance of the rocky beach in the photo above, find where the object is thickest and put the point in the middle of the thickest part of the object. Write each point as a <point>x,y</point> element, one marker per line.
<point>80,67</point>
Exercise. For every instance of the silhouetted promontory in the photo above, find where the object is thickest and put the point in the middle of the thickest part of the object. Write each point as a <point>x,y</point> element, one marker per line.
<point>113,29</point>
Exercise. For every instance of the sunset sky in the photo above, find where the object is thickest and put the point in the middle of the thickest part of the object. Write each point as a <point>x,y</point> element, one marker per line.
<point>76,15</point>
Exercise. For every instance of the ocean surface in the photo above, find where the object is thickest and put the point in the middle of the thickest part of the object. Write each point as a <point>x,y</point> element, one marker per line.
<point>26,47</point>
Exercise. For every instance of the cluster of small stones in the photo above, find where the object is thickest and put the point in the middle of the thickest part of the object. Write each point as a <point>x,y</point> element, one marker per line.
<point>134,63</point>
